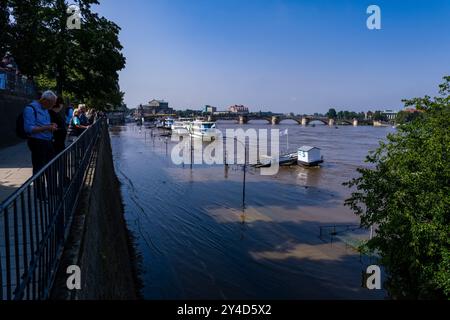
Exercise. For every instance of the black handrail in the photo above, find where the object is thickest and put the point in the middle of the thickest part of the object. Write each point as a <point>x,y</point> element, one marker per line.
<point>36,218</point>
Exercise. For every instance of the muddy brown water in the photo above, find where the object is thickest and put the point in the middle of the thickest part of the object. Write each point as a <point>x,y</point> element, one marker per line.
<point>198,239</point>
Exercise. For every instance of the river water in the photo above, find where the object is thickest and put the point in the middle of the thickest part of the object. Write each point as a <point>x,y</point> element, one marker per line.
<point>198,238</point>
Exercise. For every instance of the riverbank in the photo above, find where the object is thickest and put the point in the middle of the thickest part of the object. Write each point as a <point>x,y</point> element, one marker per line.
<point>99,242</point>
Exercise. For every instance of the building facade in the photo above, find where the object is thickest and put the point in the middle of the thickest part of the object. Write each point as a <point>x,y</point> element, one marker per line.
<point>390,114</point>
<point>238,109</point>
<point>209,109</point>
<point>155,107</point>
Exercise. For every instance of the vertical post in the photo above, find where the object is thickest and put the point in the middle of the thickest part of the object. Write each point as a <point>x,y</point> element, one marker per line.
<point>192,151</point>
<point>245,170</point>
<point>287,140</point>
<point>166,144</point>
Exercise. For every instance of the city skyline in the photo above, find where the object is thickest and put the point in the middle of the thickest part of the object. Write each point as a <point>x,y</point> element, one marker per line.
<point>266,109</point>
<point>287,56</point>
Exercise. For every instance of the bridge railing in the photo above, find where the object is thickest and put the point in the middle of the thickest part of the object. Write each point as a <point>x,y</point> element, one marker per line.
<point>35,219</point>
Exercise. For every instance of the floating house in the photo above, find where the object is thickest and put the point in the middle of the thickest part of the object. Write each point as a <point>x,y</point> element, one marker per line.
<point>309,156</point>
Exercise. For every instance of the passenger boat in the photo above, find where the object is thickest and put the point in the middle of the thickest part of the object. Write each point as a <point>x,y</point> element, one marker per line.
<point>165,123</point>
<point>181,126</point>
<point>204,130</point>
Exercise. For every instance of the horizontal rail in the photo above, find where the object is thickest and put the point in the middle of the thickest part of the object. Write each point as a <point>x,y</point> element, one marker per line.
<point>35,219</point>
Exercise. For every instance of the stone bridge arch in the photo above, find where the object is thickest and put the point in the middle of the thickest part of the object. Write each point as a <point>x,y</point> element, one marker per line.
<point>296,119</point>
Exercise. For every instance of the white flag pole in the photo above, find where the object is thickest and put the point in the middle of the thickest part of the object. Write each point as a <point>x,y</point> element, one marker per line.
<point>287,139</point>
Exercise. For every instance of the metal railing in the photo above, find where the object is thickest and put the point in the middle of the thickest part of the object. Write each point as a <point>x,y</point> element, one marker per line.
<point>35,220</point>
<point>14,83</point>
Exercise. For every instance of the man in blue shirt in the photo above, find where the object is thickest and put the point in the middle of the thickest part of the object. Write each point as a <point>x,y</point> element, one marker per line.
<point>40,130</point>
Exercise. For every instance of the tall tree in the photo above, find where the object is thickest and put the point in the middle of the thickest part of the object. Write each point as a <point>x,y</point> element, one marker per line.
<point>332,114</point>
<point>406,197</point>
<point>29,37</point>
<point>80,63</point>
<point>4,27</point>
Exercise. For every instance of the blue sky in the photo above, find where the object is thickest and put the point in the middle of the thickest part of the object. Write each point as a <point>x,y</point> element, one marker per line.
<point>281,55</point>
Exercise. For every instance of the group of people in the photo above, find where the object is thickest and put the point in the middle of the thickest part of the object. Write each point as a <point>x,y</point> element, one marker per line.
<point>48,128</point>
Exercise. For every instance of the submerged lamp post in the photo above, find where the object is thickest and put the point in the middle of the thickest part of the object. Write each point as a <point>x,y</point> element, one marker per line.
<point>245,167</point>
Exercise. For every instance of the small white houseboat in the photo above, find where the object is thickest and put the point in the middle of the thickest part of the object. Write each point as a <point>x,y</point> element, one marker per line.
<point>309,156</point>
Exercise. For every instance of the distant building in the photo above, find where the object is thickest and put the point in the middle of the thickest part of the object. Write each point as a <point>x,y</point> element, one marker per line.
<point>155,107</point>
<point>390,114</point>
<point>238,109</point>
<point>209,109</point>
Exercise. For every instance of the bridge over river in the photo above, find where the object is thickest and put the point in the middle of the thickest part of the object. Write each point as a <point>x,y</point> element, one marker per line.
<point>301,120</point>
<point>275,119</point>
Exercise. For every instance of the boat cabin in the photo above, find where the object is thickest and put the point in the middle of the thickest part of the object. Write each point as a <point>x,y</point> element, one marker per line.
<point>309,156</point>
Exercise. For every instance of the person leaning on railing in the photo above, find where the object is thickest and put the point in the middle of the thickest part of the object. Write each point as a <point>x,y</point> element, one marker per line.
<point>75,127</point>
<point>38,126</point>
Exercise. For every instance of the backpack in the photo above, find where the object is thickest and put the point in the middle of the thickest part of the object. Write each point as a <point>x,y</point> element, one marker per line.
<point>20,125</point>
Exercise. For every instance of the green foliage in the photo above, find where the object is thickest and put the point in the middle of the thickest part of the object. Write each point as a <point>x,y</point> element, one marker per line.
<point>4,28</point>
<point>406,197</point>
<point>379,116</point>
<point>332,114</point>
<point>349,115</point>
<point>405,117</point>
<point>84,63</point>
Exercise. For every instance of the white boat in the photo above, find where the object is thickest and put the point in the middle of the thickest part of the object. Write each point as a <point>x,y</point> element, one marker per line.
<point>181,126</point>
<point>165,123</point>
<point>204,130</point>
<point>283,160</point>
<point>168,122</point>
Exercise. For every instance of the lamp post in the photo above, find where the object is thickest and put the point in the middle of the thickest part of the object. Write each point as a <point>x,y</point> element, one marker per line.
<point>245,167</point>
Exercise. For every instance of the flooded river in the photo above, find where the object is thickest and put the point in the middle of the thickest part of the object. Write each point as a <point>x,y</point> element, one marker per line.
<point>199,239</point>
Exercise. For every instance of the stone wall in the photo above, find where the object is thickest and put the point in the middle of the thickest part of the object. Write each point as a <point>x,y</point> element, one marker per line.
<point>10,107</point>
<point>99,242</point>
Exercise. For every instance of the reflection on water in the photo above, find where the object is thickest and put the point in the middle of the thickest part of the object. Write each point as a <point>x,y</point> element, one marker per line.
<point>198,241</point>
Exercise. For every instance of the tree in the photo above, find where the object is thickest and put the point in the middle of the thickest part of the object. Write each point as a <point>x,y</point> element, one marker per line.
<point>331,114</point>
<point>405,117</point>
<point>4,28</point>
<point>28,43</point>
<point>82,64</point>
<point>379,116</point>
<point>406,197</point>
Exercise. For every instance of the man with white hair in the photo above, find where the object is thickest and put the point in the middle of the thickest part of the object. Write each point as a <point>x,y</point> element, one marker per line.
<point>38,126</point>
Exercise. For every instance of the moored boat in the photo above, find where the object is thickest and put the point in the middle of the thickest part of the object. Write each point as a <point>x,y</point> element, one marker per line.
<point>309,156</point>
<point>205,130</point>
<point>181,126</point>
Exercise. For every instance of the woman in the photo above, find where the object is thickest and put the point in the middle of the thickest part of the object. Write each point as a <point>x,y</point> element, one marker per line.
<point>75,127</point>
<point>59,136</point>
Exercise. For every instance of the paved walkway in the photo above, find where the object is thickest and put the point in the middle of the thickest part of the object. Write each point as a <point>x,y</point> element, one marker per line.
<point>15,168</point>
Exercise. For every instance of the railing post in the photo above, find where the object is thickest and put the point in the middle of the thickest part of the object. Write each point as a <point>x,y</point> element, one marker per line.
<point>31,240</point>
